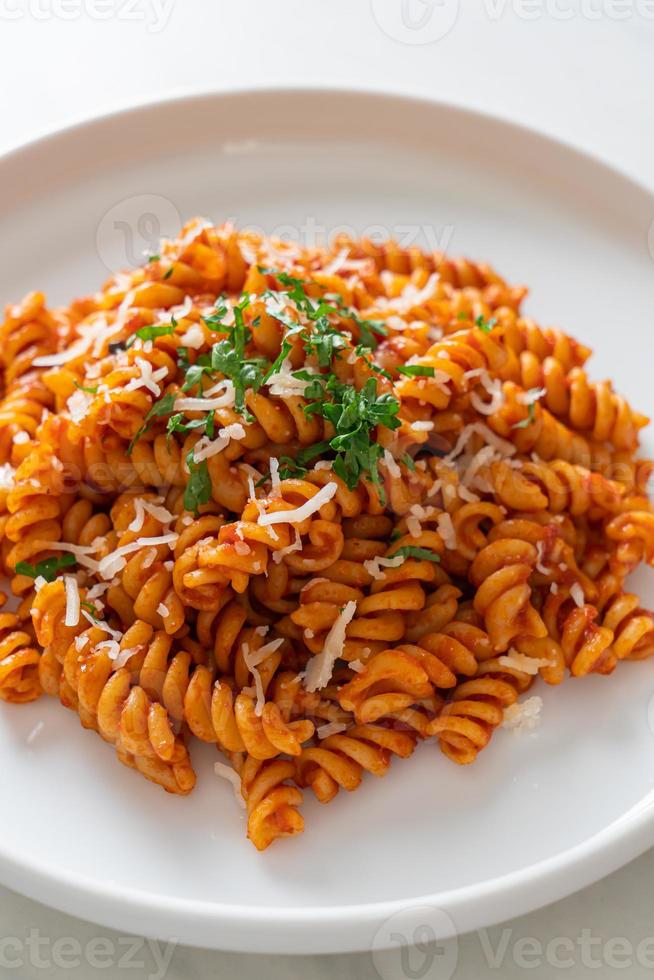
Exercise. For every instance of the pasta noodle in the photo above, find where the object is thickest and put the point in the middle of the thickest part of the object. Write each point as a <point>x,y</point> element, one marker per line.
<point>312,507</point>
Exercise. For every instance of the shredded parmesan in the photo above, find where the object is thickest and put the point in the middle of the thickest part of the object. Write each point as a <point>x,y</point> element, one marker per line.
<point>72,601</point>
<point>374,566</point>
<point>274,477</point>
<point>520,661</point>
<point>78,405</point>
<point>251,661</point>
<point>321,666</point>
<point>523,716</point>
<point>208,404</point>
<point>162,609</point>
<point>36,731</point>
<point>147,378</point>
<point>357,666</point>
<point>226,772</point>
<point>446,531</point>
<point>333,728</point>
<point>577,593</point>
<point>531,396</point>
<point>194,336</point>
<point>113,563</point>
<point>143,507</point>
<point>205,447</point>
<point>7,473</point>
<point>299,514</point>
<point>392,467</point>
<point>296,545</point>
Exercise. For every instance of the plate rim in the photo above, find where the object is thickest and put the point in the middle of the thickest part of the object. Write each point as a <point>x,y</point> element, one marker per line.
<point>336,928</point>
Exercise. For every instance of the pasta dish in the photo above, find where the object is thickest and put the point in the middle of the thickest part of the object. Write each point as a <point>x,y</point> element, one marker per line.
<point>311,506</point>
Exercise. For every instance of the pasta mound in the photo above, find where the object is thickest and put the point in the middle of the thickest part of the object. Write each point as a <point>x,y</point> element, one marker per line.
<point>312,506</point>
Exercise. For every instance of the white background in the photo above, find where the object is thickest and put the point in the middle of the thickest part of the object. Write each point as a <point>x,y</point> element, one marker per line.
<point>580,71</point>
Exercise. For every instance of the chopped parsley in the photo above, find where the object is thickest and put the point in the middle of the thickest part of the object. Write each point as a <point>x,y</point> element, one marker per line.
<point>354,415</point>
<point>154,258</point>
<point>150,333</point>
<point>228,357</point>
<point>163,407</point>
<point>531,418</point>
<point>409,462</point>
<point>90,390</point>
<point>485,325</point>
<point>422,554</point>
<point>48,568</point>
<point>198,488</point>
<point>169,273</point>
<point>416,371</point>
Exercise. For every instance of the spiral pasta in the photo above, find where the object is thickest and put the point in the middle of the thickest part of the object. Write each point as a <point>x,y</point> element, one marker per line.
<point>311,506</point>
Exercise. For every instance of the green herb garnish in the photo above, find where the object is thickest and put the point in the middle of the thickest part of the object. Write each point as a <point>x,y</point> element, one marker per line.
<point>150,333</point>
<point>88,389</point>
<point>47,569</point>
<point>485,325</point>
<point>354,416</point>
<point>416,371</point>
<point>163,407</point>
<point>169,273</point>
<point>422,554</point>
<point>531,417</point>
<point>198,488</point>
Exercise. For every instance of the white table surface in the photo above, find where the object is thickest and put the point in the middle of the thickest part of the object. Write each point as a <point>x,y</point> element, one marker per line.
<point>582,71</point>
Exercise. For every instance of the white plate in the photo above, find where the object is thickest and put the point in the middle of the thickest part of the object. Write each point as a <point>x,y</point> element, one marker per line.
<point>536,817</point>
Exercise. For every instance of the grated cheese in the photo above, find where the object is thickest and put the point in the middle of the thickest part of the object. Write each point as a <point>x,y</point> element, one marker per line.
<point>523,716</point>
<point>78,405</point>
<point>392,467</point>
<point>374,566</point>
<point>147,378</point>
<point>143,507</point>
<point>36,731</point>
<point>481,429</point>
<point>72,601</point>
<point>194,337</point>
<point>111,564</point>
<point>205,447</point>
<point>577,593</point>
<point>81,553</point>
<point>540,567</point>
<point>296,545</point>
<point>529,397</point>
<point>357,666</point>
<point>321,666</point>
<point>162,609</point>
<point>299,514</point>
<point>333,728</point>
<point>520,661</point>
<point>226,772</point>
<point>224,400</point>
<point>7,473</point>
<point>274,478</point>
<point>251,662</point>
<point>446,530</point>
